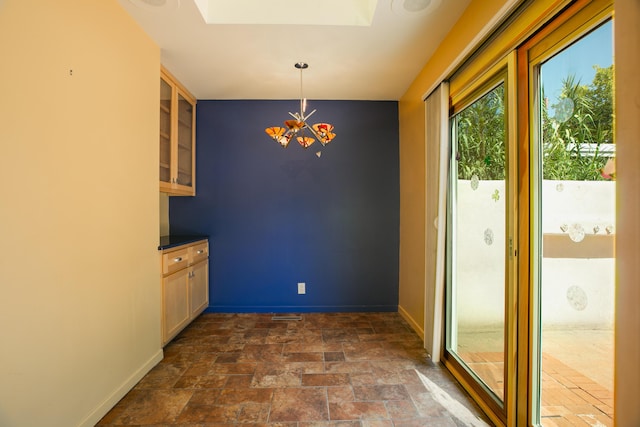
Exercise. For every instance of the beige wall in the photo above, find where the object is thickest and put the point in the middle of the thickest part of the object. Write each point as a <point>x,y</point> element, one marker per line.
<point>627,93</point>
<point>164,214</point>
<point>79,282</point>
<point>412,157</point>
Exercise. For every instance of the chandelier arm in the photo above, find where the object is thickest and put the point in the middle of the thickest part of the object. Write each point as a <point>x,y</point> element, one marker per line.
<point>304,119</point>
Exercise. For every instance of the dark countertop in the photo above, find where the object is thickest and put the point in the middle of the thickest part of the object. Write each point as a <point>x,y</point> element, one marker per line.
<point>171,241</point>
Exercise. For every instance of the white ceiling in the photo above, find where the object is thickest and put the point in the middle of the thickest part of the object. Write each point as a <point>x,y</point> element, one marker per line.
<point>252,54</point>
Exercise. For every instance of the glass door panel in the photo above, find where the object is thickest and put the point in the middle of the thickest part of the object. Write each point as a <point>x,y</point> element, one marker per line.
<point>165,131</point>
<point>575,230</point>
<point>185,141</point>
<point>477,247</point>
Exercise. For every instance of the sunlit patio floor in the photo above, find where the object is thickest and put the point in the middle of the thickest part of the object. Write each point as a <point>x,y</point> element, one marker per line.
<point>577,374</point>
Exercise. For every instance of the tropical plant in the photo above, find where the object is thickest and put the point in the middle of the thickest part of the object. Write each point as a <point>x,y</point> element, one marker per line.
<point>572,137</point>
<point>582,121</point>
<point>481,137</point>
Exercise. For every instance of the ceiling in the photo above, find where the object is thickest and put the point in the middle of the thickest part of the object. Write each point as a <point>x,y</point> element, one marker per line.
<point>356,49</point>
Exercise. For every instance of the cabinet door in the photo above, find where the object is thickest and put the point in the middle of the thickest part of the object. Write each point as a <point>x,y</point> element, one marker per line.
<point>166,100</point>
<point>185,152</point>
<point>199,287</point>
<point>175,303</point>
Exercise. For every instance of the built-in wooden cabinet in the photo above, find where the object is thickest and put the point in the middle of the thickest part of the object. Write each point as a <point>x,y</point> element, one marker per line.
<point>185,286</point>
<point>177,137</point>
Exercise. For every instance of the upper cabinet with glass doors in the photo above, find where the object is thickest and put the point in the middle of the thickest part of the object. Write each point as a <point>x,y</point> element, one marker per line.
<point>177,137</point>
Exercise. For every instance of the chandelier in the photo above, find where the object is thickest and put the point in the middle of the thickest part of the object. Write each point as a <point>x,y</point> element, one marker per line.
<point>297,126</point>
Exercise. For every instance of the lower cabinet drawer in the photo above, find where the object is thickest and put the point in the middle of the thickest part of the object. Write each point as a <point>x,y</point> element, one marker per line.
<point>175,260</point>
<point>199,252</point>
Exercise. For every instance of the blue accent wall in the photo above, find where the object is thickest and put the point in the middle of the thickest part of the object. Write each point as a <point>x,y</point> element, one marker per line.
<point>278,216</point>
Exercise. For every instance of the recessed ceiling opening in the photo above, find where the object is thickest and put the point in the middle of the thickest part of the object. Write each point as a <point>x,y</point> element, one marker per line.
<point>288,12</point>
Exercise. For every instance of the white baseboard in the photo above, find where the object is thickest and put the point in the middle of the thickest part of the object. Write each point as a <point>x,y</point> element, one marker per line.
<point>419,329</point>
<point>101,410</point>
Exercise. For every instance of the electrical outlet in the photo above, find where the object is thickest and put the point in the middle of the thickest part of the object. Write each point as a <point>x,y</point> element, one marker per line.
<point>302,288</point>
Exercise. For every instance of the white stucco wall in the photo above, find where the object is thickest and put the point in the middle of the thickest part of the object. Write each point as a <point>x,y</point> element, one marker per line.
<point>577,292</point>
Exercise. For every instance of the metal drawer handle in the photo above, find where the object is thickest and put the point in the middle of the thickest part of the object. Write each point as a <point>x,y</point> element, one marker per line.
<point>177,259</point>
<point>200,251</point>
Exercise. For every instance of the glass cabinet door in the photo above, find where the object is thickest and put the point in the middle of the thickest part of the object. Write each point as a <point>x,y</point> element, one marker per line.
<point>185,141</point>
<point>165,131</point>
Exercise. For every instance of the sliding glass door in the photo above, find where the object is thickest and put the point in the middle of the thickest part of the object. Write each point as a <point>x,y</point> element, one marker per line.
<point>573,218</point>
<point>531,221</point>
<point>479,239</point>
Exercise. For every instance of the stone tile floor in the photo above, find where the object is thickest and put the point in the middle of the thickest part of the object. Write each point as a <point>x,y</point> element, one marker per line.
<point>327,369</point>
